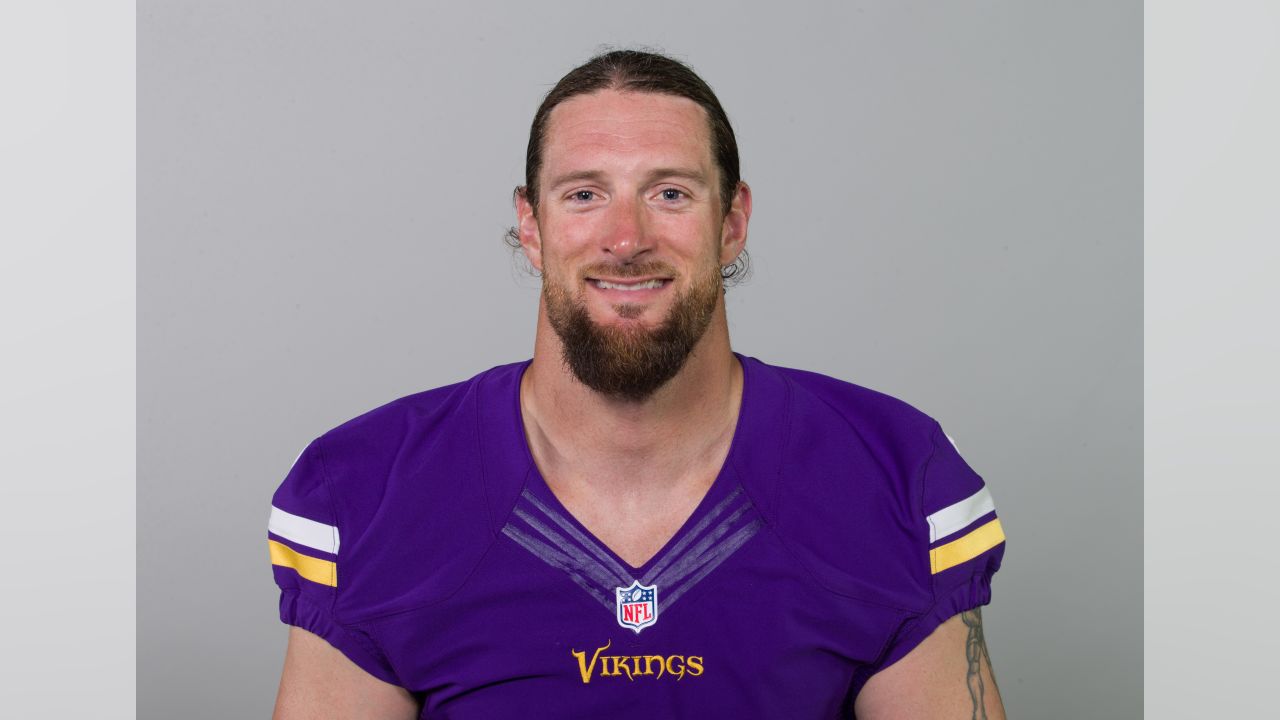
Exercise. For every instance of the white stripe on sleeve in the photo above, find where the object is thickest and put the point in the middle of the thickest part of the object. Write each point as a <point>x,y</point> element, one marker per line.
<point>955,517</point>
<point>303,531</point>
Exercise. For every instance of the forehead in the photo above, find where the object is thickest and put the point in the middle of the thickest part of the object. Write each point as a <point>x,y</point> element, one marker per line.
<point>628,129</point>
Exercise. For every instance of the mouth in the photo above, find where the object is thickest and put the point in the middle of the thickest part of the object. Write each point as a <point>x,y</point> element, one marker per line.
<point>629,285</point>
<point>629,291</point>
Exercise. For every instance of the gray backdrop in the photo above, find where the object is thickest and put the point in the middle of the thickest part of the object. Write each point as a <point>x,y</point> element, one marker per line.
<point>947,209</point>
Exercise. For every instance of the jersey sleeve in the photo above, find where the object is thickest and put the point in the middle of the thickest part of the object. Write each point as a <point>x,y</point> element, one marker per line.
<point>962,537</point>
<point>304,540</point>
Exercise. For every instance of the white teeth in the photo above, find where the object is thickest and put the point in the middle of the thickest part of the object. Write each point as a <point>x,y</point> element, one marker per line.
<point>647,285</point>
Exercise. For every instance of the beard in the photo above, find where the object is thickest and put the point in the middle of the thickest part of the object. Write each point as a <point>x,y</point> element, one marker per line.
<point>631,362</point>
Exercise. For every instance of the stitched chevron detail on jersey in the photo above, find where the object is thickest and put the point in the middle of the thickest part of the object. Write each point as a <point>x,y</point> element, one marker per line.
<point>574,569</point>
<point>692,557</point>
<point>704,562</point>
<point>576,534</point>
<point>689,536</point>
<point>586,564</point>
<point>708,553</point>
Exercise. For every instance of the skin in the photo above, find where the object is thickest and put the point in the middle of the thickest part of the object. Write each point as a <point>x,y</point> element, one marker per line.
<point>949,675</point>
<point>632,472</point>
<point>320,683</point>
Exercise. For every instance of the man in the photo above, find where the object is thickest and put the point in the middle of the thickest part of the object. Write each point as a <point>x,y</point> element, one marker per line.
<point>638,522</point>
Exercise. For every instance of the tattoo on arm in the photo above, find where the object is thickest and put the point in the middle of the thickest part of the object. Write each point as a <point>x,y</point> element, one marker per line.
<point>975,650</point>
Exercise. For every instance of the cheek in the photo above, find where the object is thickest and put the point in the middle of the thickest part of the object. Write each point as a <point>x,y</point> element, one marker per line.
<point>566,237</point>
<point>561,258</point>
<point>687,234</point>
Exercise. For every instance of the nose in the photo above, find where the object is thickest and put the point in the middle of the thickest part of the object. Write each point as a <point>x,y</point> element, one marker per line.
<point>626,236</point>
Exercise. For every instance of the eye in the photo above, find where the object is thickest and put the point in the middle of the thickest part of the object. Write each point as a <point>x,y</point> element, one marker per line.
<point>583,196</point>
<point>672,194</point>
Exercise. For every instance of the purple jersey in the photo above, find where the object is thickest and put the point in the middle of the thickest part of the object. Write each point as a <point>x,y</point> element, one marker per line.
<point>420,540</point>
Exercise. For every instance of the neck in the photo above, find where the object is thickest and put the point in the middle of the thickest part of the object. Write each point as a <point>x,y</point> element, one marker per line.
<point>580,436</point>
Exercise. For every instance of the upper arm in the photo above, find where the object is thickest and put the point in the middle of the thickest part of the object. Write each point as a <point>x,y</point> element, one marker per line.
<point>320,683</point>
<point>947,675</point>
<point>936,663</point>
<point>332,669</point>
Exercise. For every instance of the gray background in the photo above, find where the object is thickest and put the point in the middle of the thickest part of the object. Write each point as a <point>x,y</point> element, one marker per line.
<point>947,210</point>
<point>67,360</point>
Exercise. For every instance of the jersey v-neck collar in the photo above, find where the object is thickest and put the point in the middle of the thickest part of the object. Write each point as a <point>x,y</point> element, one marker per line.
<point>524,508</point>
<point>537,491</point>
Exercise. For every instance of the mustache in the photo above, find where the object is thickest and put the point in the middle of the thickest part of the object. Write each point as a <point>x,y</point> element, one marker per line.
<point>628,270</point>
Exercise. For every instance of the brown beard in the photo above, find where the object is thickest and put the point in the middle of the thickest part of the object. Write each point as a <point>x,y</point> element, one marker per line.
<point>631,363</point>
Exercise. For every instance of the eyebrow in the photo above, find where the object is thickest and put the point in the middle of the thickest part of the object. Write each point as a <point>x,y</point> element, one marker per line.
<point>589,175</point>
<point>692,175</point>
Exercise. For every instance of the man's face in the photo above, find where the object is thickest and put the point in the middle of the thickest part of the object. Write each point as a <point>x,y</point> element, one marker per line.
<point>629,236</point>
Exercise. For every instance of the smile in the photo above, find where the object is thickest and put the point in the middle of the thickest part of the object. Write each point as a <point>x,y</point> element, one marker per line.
<point>653,284</point>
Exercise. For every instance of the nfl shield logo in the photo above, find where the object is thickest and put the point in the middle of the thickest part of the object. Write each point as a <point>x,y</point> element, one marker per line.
<point>637,606</point>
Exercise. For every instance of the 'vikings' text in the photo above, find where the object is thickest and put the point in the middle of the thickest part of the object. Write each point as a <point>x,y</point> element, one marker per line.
<point>634,666</point>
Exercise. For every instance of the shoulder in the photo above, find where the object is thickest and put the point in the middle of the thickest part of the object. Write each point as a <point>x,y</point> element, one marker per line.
<point>371,434</point>
<point>896,432</point>
<point>358,454</point>
<point>869,488</point>
<point>849,436</point>
<point>389,486</point>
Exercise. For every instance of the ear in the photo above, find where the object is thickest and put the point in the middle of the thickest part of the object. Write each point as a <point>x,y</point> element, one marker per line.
<point>733,235</point>
<point>527,228</point>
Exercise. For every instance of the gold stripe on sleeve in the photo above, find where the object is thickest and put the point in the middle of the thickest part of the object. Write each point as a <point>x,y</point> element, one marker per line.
<point>966,548</point>
<point>316,570</point>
